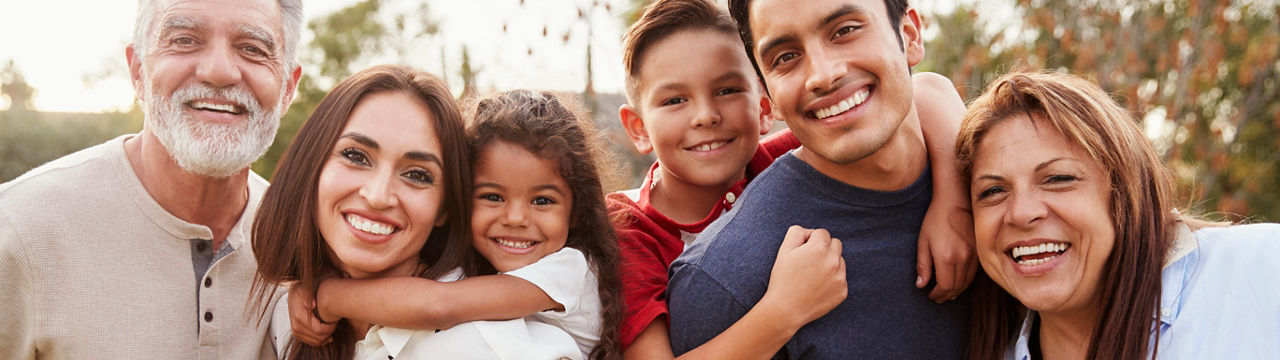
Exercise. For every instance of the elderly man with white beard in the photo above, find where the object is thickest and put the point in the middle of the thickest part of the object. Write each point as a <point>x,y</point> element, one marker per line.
<point>138,248</point>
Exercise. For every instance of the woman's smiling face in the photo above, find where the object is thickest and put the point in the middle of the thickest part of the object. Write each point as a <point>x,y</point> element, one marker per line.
<point>1042,218</point>
<point>381,189</point>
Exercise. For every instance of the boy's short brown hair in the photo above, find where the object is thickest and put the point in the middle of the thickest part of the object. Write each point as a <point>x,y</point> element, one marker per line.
<point>660,20</point>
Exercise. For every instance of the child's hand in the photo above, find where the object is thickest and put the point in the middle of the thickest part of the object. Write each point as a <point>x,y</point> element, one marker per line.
<point>306,327</point>
<point>946,245</point>
<point>808,278</point>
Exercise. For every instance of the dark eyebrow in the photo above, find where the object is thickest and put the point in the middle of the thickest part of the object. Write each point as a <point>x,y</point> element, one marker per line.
<point>412,155</point>
<point>423,156</point>
<point>840,12</point>
<point>773,43</point>
<point>259,34</point>
<point>362,139</point>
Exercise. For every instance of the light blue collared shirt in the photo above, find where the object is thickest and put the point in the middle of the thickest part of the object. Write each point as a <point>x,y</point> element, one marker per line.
<point>1220,296</point>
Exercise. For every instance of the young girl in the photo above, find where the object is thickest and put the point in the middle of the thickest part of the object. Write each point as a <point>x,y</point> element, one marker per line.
<point>539,222</point>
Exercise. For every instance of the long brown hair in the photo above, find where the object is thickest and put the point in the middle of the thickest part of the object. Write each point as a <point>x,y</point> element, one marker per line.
<point>1141,209</point>
<point>549,126</point>
<point>286,239</point>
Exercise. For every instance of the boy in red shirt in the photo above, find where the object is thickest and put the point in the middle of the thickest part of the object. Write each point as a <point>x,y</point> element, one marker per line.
<point>694,100</point>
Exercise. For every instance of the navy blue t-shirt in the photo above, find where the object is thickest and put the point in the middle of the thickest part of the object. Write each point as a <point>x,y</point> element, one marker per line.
<point>726,270</point>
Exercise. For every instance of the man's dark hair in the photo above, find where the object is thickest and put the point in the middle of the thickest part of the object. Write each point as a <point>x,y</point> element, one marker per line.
<point>740,10</point>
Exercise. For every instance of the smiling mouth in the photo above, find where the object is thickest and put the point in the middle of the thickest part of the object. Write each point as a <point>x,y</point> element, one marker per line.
<point>1038,254</point>
<point>516,244</point>
<point>710,146</point>
<point>844,105</point>
<point>222,108</point>
<point>369,226</point>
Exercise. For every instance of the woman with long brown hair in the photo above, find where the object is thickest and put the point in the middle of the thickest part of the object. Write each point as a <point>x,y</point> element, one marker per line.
<point>375,184</point>
<point>1083,254</point>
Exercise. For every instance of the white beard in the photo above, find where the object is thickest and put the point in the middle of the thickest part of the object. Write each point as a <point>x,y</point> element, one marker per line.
<point>211,149</point>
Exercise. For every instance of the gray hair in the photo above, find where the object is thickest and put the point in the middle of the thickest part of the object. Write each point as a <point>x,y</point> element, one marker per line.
<point>290,16</point>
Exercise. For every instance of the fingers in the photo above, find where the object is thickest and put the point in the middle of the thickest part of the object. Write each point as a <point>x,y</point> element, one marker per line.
<point>946,287</point>
<point>796,236</point>
<point>924,263</point>
<point>306,327</point>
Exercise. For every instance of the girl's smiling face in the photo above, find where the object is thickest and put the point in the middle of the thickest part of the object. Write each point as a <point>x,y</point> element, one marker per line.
<point>521,206</point>
<point>1042,218</point>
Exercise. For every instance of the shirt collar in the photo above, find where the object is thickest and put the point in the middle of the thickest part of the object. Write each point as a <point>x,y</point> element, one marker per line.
<point>1022,347</point>
<point>1178,266</point>
<point>392,339</point>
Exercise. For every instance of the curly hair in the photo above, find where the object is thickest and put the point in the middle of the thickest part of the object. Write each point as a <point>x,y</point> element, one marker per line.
<point>554,128</point>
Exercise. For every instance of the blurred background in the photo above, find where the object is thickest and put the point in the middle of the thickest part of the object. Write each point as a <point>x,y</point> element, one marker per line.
<point>1203,77</point>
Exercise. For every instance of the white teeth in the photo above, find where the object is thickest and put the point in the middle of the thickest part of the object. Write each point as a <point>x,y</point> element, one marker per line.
<point>844,105</point>
<point>369,226</point>
<point>1021,251</point>
<point>711,146</point>
<point>215,107</point>
<point>514,244</point>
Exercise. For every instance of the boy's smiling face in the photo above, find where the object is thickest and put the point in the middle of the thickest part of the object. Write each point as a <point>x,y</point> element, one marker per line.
<point>699,108</point>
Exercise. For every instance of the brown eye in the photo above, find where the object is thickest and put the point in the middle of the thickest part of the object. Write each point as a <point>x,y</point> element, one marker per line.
<point>419,176</point>
<point>355,156</point>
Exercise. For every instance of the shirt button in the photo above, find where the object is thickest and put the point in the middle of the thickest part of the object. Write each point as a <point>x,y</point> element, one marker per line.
<point>201,246</point>
<point>208,316</point>
<point>1165,312</point>
<point>730,197</point>
<point>208,282</point>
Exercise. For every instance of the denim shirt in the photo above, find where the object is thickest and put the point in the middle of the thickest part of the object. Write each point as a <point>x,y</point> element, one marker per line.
<point>1219,296</point>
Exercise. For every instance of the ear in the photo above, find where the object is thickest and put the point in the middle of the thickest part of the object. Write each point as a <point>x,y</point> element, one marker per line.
<point>134,59</point>
<point>766,115</point>
<point>633,124</point>
<point>292,89</point>
<point>913,42</point>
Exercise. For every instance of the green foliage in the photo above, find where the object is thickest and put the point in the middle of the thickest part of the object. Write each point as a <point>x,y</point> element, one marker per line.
<point>1207,70</point>
<point>28,138</point>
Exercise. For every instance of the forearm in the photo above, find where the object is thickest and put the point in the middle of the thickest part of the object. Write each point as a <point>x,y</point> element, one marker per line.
<point>939,109</point>
<point>417,303</point>
<point>401,302</point>
<point>758,335</point>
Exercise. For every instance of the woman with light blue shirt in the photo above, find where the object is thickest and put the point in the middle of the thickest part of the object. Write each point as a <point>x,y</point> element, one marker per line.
<point>1083,254</point>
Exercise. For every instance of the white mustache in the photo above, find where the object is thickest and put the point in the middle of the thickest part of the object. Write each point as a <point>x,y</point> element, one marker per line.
<point>236,95</point>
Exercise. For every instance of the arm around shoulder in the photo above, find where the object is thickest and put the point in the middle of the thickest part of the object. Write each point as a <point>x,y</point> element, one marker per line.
<point>417,303</point>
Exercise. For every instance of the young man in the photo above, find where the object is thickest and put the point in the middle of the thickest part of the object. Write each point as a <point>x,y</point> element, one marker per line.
<point>98,249</point>
<point>838,72</point>
<point>704,119</point>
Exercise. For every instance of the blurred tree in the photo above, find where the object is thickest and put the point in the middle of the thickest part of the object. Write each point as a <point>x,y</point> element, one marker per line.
<point>29,138</point>
<point>1201,76</point>
<point>14,87</point>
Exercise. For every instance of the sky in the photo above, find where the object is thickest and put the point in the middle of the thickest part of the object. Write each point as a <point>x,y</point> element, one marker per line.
<point>72,51</point>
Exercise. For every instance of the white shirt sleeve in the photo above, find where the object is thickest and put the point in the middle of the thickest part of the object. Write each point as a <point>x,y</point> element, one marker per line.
<point>281,330</point>
<point>569,280</point>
